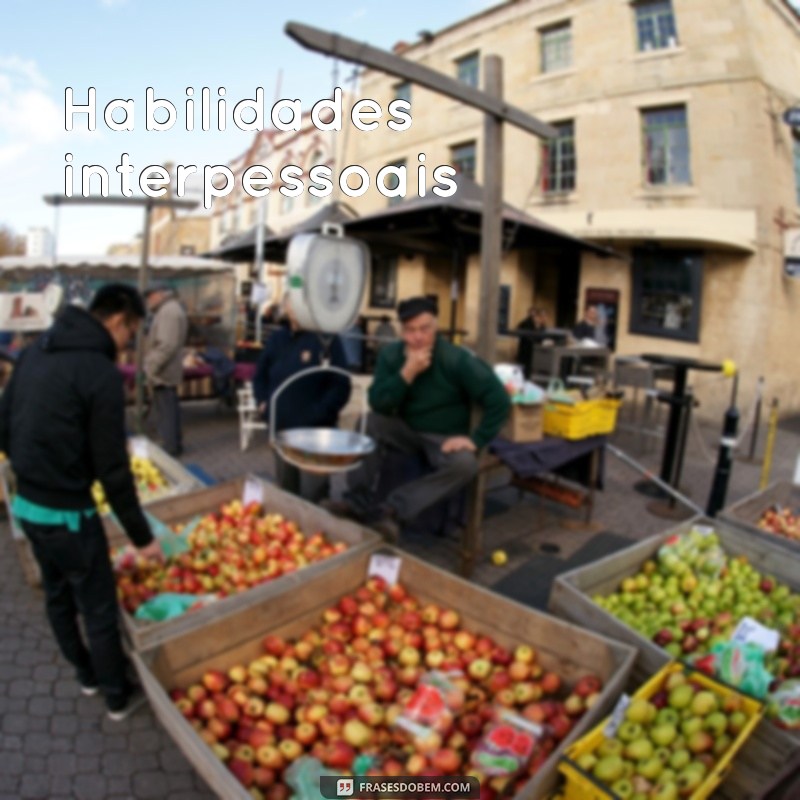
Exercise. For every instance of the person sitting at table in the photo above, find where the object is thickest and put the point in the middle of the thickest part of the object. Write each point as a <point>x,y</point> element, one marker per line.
<point>310,402</point>
<point>587,327</point>
<point>535,321</point>
<point>422,398</point>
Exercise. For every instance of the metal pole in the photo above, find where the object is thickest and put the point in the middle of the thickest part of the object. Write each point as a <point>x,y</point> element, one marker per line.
<point>148,210</point>
<point>756,419</point>
<point>624,457</point>
<point>492,221</point>
<point>259,265</point>
<point>772,429</point>
<point>722,474</point>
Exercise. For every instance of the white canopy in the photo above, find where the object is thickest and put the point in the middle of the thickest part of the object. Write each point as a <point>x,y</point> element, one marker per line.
<point>175,264</point>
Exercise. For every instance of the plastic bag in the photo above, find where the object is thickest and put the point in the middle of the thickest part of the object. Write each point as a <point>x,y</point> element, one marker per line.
<point>507,745</point>
<point>698,550</point>
<point>783,705</point>
<point>169,605</point>
<point>172,543</point>
<point>740,665</point>
<point>431,708</point>
<point>303,776</point>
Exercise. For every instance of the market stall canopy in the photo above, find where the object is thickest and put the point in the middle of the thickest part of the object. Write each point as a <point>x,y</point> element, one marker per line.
<point>275,245</point>
<point>166,266</point>
<point>240,247</point>
<point>417,225</point>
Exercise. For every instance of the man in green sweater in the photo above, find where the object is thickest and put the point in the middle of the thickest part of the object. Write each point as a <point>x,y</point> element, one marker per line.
<point>422,397</point>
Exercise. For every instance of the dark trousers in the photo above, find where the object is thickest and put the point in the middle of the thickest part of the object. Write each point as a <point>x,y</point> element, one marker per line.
<point>451,470</point>
<point>77,579</point>
<point>168,418</point>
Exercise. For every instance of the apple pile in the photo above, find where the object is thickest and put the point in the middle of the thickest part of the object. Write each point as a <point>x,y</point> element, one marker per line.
<point>686,607</point>
<point>338,692</point>
<point>666,745</point>
<point>150,483</point>
<point>230,551</point>
<point>782,521</point>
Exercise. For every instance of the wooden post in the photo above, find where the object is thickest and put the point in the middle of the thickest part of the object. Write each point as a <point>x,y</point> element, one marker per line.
<point>148,211</point>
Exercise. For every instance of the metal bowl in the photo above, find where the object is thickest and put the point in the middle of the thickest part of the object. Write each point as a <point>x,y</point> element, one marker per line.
<point>324,449</point>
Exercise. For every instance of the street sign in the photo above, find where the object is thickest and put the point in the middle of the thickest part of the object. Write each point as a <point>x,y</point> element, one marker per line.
<point>791,252</point>
<point>792,116</point>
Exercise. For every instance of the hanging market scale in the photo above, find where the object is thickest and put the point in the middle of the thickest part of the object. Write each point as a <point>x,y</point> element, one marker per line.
<point>326,277</point>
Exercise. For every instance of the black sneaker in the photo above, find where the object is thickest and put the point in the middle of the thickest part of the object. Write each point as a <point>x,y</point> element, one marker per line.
<point>89,690</point>
<point>135,700</point>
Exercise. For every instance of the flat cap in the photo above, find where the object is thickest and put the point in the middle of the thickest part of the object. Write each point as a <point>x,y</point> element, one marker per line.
<point>414,306</point>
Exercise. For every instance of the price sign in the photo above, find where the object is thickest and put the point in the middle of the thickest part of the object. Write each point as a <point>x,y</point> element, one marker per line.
<point>750,631</point>
<point>617,716</point>
<point>703,530</point>
<point>253,492</point>
<point>386,567</point>
<point>139,447</point>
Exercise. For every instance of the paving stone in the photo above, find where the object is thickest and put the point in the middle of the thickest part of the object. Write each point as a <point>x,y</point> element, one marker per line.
<point>62,764</point>
<point>90,787</point>
<point>88,764</point>
<point>61,785</point>
<point>12,763</point>
<point>22,687</point>
<point>42,707</point>
<point>8,672</point>
<point>89,743</point>
<point>179,780</point>
<point>117,765</point>
<point>42,744</point>
<point>145,742</point>
<point>46,672</point>
<point>63,724</point>
<point>10,743</point>
<point>119,787</point>
<point>15,723</point>
<point>66,689</point>
<point>148,785</point>
<point>10,783</point>
<point>32,658</point>
<point>35,787</point>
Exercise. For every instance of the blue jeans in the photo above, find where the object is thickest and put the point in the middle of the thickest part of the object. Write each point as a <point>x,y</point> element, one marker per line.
<point>78,579</point>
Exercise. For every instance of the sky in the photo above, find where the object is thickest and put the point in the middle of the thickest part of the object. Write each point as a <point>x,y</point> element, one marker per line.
<point>120,47</point>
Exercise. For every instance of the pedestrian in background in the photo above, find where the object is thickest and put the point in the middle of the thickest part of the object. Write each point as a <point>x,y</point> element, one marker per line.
<point>163,362</point>
<point>62,425</point>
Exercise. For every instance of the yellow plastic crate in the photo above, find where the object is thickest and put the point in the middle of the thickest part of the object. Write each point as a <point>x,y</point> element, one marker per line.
<point>580,785</point>
<point>581,420</point>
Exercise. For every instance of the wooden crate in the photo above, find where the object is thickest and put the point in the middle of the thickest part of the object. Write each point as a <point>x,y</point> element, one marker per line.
<point>769,747</point>
<point>222,643</point>
<point>746,513</point>
<point>309,518</point>
<point>179,478</point>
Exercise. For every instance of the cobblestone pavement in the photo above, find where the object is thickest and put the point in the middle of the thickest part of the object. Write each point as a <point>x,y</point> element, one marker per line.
<point>58,745</point>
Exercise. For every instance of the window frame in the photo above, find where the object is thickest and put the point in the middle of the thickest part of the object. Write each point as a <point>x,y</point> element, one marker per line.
<point>545,45</point>
<point>473,62</point>
<point>795,134</point>
<point>648,130</point>
<point>402,91</point>
<point>661,258</point>
<point>559,142</point>
<point>401,162</point>
<point>647,11</point>
<point>473,144</point>
<point>387,297</point>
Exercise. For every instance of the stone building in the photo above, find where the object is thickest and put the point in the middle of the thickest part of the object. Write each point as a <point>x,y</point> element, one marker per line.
<point>672,150</point>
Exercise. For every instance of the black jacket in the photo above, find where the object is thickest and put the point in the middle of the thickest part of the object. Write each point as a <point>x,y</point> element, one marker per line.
<point>62,422</point>
<point>311,402</point>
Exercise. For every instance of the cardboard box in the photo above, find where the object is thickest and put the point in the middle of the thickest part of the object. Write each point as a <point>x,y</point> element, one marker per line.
<point>560,646</point>
<point>524,423</point>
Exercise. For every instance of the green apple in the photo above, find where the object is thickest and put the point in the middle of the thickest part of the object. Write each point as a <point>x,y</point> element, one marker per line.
<point>609,769</point>
<point>650,768</point>
<point>665,791</point>
<point>628,731</point>
<point>622,788</point>
<point>586,761</point>
<point>716,723</point>
<point>680,759</point>
<point>736,722</point>
<point>680,697</point>
<point>663,735</point>
<point>704,703</point>
<point>610,747</point>
<point>639,750</point>
<point>721,745</point>
<point>640,710</point>
<point>691,726</point>
<point>667,715</point>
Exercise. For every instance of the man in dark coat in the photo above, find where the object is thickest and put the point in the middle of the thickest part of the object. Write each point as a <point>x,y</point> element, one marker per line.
<point>62,425</point>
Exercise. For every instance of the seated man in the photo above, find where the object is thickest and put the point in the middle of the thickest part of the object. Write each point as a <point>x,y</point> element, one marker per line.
<point>422,397</point>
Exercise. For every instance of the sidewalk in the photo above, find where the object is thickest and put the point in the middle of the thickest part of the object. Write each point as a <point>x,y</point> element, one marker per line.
<point>57,745</point>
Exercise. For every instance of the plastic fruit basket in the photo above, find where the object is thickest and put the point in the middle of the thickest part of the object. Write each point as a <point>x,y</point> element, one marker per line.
<point>581,785</point>
<point>581,420</point>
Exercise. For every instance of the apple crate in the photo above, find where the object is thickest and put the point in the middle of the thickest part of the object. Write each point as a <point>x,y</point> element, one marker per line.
<point>580,785</point>
<point>746,513</point>
<point>308,517</point>
<point>221,643</point>
<point>179,481</point>
<point>570,598</point>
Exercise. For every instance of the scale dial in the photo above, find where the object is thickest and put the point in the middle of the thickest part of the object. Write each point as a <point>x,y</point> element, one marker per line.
<point>326,279</point>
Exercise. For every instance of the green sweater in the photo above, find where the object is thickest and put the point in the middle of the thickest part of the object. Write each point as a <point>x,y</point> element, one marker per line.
<point>440,399</point>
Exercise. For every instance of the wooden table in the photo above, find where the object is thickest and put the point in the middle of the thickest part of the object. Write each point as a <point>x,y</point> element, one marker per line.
<point>545,456</point>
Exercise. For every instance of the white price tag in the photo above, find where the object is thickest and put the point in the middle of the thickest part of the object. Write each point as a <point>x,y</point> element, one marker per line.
<point>617,716</point>
<point>253,492</point>
<point>139,448</point>
<point>386,567</point>
<point>703,530</point>
<point>753,632</point>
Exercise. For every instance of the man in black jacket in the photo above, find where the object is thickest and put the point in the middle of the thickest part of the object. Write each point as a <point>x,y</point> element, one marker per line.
<point>62,425</point>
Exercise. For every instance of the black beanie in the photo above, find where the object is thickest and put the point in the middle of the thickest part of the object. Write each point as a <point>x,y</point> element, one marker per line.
<point>414,306</point>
